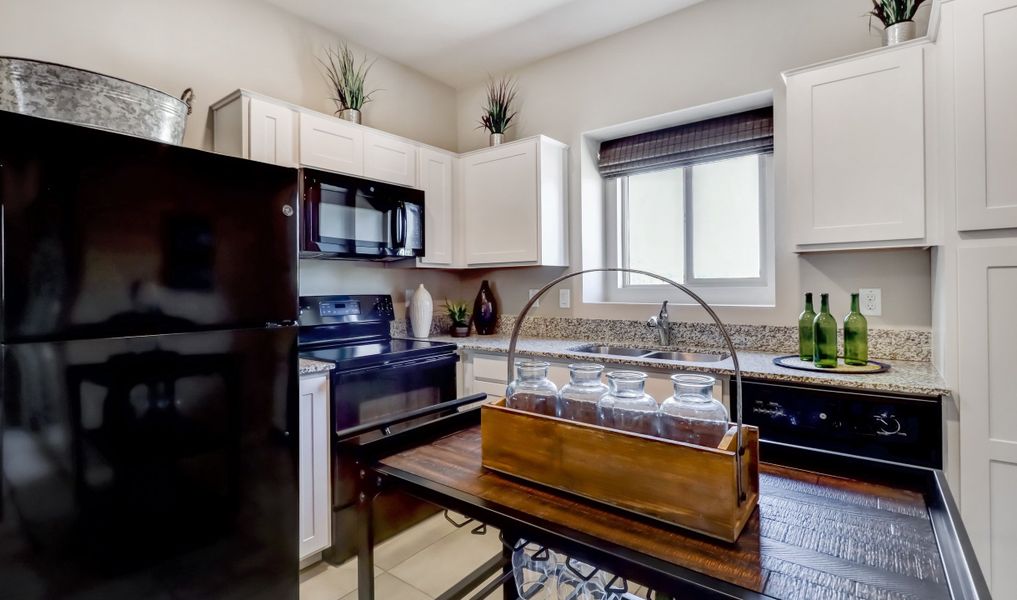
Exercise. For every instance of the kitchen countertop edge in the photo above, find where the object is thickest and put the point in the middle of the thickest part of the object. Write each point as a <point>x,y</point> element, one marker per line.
<point>307,366</point>
<point>904,377</point>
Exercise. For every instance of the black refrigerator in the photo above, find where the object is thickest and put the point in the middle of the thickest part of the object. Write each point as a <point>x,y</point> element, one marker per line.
<point>149,369</point>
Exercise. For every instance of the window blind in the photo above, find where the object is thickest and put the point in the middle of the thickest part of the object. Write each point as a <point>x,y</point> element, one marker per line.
<point>749,132</point>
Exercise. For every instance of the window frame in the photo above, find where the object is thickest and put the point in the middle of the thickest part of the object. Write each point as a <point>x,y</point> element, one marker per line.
<point>747,291</point>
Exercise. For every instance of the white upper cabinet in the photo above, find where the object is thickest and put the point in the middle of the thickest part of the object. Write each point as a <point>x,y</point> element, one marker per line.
<point>986,114</point>
<point>513,202</point>
<point>256,129</point>
<point>331,144</point>
<point>856,149</point>
<point>272,129</point>
<point>435,178</point>
<point>388,158</point>
<point>504,205</point>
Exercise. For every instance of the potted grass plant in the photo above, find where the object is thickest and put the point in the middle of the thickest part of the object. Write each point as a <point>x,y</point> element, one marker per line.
<point>498,108</point>
<point>347,75</point>
<point>459,314</point>
<point>897,17</point>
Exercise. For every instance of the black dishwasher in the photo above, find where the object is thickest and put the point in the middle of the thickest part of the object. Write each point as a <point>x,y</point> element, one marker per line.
<point>890,427</point>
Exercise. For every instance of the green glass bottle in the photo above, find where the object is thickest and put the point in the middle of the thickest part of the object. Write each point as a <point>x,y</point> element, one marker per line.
<point>856,336</point>
<point>824,335</point>
<point>805,340</point>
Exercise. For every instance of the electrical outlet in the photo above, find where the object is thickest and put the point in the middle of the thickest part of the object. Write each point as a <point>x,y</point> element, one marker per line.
<point>564,298</point>
<point>532,294</point>
<point>871,300</point>
<point>409,296</point>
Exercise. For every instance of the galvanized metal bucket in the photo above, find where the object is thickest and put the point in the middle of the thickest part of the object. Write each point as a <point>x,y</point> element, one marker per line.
<point>62,93</point>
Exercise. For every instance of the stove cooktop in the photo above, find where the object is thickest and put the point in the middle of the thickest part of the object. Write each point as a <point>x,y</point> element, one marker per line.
<point>381,352</point>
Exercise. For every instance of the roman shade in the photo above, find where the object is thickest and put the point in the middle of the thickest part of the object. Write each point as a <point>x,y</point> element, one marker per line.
<point>714,139</point>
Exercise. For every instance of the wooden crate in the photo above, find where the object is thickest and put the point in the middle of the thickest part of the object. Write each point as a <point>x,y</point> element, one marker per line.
<point>691,486</point>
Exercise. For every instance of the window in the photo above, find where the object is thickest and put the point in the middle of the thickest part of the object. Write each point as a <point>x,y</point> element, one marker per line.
<point>707,225</point>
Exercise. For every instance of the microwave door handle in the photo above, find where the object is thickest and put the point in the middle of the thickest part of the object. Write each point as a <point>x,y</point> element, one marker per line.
<point>401,240</point>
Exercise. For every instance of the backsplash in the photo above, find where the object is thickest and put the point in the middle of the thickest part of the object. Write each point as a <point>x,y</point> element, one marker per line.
<point>890,344</point>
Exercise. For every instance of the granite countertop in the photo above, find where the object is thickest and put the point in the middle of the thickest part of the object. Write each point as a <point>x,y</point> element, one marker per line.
<point>309,367</point>
<point>906,377</point>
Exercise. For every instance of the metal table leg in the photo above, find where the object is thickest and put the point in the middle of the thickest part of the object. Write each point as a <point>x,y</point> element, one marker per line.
<point>365,537</point>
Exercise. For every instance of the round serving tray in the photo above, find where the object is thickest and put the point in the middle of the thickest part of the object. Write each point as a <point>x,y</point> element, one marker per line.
<point>792,361</point>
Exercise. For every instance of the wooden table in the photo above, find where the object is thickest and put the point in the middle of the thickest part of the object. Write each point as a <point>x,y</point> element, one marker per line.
<point>814,536</point>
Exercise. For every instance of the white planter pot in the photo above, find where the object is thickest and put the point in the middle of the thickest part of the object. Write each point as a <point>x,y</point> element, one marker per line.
<point>421,312</point>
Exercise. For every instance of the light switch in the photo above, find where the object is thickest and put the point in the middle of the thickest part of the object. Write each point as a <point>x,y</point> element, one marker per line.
<point>532,294</point>
<point>564,298</point>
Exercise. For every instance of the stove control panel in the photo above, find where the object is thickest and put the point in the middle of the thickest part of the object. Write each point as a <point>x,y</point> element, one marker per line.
<point>888,427</point>
<point>366,308</point>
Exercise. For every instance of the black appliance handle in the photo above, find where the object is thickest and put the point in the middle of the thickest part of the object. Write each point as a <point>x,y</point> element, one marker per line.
<point>400,365</point>
<point>384,423</point>
<point>402,226</point>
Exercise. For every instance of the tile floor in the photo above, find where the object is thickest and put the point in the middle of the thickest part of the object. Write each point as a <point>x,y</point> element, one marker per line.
<point>418,564</point>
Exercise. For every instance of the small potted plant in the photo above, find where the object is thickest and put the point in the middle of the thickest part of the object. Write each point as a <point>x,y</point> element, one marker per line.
<point>348,76</point>
<point>459,314</point>
<point>498,110</point>
<point>897,17</point>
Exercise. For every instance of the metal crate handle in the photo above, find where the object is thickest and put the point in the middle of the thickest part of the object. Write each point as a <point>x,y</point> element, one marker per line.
<point>720,325</point>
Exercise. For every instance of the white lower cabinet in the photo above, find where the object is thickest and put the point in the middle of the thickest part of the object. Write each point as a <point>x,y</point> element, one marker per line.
<point>987,400</point>
<point>315,503</point>
<point>486,373</point>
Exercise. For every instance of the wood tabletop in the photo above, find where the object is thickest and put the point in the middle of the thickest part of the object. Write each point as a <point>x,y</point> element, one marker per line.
<point>814,536</point>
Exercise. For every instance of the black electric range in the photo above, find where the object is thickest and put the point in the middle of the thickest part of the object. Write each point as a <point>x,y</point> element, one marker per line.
<point>376,376</point>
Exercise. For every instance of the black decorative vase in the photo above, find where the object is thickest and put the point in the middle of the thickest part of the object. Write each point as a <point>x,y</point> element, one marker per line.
<point>485,310</point>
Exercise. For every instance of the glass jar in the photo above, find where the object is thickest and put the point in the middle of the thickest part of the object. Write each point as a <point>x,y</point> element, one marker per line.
<point>693,415</point>
<point>627,406</point>
<point>577,399</point>
<point>531,390</point>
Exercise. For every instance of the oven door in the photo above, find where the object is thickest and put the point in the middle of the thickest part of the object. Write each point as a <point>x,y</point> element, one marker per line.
<point>368,394</point>
<point>363,395</point>
<point>351,217</point>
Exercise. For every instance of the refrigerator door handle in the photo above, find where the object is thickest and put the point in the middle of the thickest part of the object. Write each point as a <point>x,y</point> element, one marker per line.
<point>286,323</point>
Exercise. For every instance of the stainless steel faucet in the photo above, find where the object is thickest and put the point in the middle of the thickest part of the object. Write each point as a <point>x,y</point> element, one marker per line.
<point>662,324</point>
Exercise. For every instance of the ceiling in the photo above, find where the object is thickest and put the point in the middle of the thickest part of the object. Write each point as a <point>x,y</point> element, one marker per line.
<point>460,41</point>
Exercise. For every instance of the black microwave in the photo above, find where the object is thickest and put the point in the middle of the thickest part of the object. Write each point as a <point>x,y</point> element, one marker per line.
<point>350,217</point>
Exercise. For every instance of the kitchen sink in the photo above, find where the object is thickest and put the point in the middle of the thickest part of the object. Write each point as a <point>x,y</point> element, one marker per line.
<point>651,354</point>
<point>610,350</point>
<point>688,356</point>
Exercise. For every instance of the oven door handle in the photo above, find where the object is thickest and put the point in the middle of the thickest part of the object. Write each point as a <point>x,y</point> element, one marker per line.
<point>384,423</point>
<point>403,364</point>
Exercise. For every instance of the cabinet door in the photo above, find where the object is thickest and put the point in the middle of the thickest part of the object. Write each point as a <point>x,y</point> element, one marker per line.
<point>272,133</point>
<point>315,525</point>
<point>436,181</point>
<point>500,203</point>
<point>987,328</point>
<point>331,144</point>
<point>986,97</point>
<point>856,149</point>
<point>389,159</point>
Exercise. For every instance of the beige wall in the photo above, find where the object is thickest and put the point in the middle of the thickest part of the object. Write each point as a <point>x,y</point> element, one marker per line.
<point>215,47</point>
<point>709,52</point>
